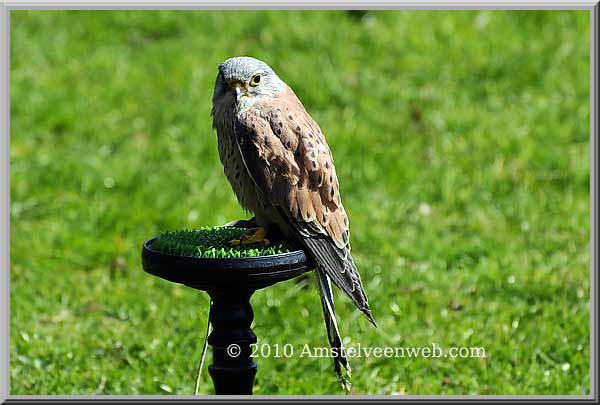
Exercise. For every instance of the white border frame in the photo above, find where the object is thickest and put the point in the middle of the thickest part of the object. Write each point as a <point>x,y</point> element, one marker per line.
<point>7,5</point>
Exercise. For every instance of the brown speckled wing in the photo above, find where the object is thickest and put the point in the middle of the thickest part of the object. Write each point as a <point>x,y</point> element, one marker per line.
<point>289,160</point>
<point>294,166</point>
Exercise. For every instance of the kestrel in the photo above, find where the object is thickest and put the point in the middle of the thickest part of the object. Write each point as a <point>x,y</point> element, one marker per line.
<point>281,169</point>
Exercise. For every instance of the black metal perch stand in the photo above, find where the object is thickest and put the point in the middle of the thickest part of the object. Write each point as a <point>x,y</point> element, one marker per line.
<point>230,283</point>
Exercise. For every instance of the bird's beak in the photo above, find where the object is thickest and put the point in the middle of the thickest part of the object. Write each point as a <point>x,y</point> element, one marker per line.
<point>239,90</point>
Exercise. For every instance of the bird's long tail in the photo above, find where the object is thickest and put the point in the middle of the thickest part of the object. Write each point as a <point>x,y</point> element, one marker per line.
<point>337,263</point>
<point>339,358</point>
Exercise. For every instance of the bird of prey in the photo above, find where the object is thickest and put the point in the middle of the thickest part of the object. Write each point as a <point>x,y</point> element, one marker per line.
<point>281,169</point>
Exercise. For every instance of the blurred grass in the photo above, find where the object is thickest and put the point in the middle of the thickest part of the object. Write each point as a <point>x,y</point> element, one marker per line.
<point>462,143</point>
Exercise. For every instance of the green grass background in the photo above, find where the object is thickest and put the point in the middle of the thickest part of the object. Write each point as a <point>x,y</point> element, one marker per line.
<point>461,140</point>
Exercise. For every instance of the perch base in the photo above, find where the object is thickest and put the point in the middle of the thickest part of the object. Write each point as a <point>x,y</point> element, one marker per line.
<point>230,284</point>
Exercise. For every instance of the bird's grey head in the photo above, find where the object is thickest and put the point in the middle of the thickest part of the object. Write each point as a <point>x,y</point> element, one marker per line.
<point>244,80</point>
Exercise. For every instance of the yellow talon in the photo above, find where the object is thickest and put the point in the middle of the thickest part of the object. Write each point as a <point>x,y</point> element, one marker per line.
<point>252,235</point>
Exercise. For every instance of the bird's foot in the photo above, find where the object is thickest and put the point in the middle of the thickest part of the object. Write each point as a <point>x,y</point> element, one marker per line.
<point>252,235</point>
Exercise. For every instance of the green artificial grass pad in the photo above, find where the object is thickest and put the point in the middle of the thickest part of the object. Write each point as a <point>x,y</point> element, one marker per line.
<point>213,243</point>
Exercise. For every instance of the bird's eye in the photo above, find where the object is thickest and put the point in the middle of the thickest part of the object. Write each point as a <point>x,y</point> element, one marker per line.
<point>255,80</point>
